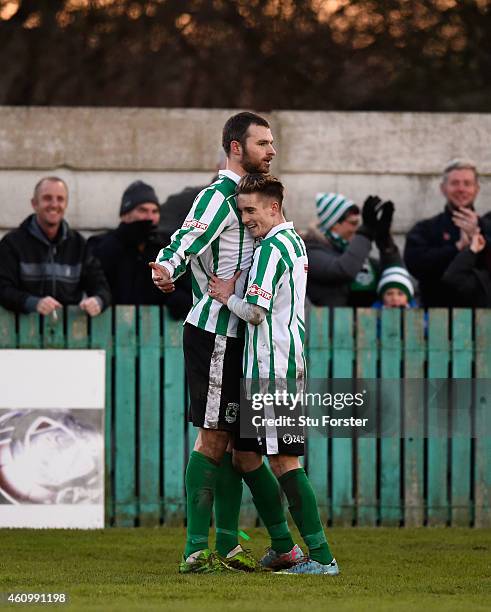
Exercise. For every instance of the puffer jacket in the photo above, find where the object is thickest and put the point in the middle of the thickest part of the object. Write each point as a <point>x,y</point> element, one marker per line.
<point>332,271</point>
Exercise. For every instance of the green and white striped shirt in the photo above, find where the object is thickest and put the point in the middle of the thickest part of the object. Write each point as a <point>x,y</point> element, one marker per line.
<point>277,282</point>
<point>215,241</point>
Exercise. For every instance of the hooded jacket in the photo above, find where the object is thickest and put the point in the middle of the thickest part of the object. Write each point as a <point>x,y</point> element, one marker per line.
<point>33,267</point>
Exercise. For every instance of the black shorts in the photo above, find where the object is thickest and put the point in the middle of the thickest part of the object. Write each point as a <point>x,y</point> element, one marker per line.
<point>289,444</point>
<point>213,370</point>
<point>272,439</point>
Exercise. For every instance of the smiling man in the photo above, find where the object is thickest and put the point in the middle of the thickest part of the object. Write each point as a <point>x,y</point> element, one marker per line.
<point>44,264</point>
<point>215,242</point>
<point>432,244</point>
<point>273,307</point>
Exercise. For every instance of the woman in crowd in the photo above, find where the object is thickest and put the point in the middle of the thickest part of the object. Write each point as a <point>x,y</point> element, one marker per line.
<point>341,273</point>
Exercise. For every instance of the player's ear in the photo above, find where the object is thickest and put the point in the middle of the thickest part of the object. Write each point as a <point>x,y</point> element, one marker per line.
<point>235,147</point>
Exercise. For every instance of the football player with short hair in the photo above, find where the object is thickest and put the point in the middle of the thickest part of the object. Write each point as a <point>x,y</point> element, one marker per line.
<point>273,307</point>
<point>215,242</point>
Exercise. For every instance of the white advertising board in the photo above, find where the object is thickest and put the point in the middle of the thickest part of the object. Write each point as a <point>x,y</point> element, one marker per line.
<point>52,438</point>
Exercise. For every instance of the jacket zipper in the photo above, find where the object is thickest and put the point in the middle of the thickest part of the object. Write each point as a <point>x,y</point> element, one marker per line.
<point>52,251</point>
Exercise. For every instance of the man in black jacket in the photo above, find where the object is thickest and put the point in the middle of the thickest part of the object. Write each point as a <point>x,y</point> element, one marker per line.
<point>469,274</point>
<point>125,252</point>
<point>44,264</point>
<point>432,244</point>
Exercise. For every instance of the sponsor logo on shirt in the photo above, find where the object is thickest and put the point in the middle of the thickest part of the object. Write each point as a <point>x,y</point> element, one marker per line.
<point>195,223</point>
<point>256,290</point>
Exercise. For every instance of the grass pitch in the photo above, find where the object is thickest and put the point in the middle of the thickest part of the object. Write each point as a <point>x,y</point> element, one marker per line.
<point>136,569</point>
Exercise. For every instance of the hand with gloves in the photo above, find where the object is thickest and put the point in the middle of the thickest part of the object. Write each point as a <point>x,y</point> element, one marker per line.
<point>369,219</point>
<point>376,220</point>
<point>383,237</point>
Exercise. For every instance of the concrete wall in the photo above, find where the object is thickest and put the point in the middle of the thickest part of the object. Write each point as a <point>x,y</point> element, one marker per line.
<point>99,151</point>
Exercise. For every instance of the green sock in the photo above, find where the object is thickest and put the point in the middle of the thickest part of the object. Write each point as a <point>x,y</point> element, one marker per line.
<point>266,494</point>
<point>201,476</point>
<point>228,497</point>
<point>303,508</point>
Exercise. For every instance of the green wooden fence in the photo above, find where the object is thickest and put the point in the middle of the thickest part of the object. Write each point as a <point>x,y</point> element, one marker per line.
<point>387,481</point>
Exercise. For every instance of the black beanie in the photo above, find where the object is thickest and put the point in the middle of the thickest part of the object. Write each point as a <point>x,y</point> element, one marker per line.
<point>137,193</point>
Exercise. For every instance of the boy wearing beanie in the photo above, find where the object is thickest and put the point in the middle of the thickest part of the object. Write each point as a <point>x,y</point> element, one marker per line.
<point>395,289</point>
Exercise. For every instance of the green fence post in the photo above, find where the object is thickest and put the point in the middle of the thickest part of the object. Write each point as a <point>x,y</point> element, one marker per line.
<point>366,464</point>
<point>318,357</point>
<point>53,330</point>
<point>149,421</point>
<point>414,414</point>
<point>101,337</point>
<point>29,331</point>
<point>482,459</point>
<point>77,328</point>
<point>342,457</point>
<point>461,418</point>
<point>125,417</point>
<point>438,355</point>
<point>390,446</point>
<point>8,339</point>
<point>174,415</point>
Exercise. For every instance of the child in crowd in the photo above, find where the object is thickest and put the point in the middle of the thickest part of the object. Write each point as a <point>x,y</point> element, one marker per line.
<point>395,289</point>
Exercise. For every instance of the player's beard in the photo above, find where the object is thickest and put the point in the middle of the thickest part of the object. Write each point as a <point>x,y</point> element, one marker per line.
<point>253,167</point>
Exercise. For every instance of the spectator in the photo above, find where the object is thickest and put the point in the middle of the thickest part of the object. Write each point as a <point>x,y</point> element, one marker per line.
<point>340,271</point>
<point>432,244</point>
<point>44,264</point>
<point>395,289</point>
<point>469,274</point>
<point>125,252</point>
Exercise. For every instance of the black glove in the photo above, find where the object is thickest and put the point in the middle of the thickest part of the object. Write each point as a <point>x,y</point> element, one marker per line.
<point>383,238</point>
<point>369,219</point>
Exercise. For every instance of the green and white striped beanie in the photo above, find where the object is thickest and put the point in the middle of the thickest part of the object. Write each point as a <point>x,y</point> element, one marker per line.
<point>396,277</point>
<point>330,208</point>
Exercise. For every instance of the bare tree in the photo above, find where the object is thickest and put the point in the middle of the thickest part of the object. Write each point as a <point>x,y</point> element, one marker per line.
<point>263,54</point>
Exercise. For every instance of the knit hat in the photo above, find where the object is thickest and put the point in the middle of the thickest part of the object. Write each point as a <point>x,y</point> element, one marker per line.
<point>396,277</point>
<point>137,193</point>
<point>330,208</point>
